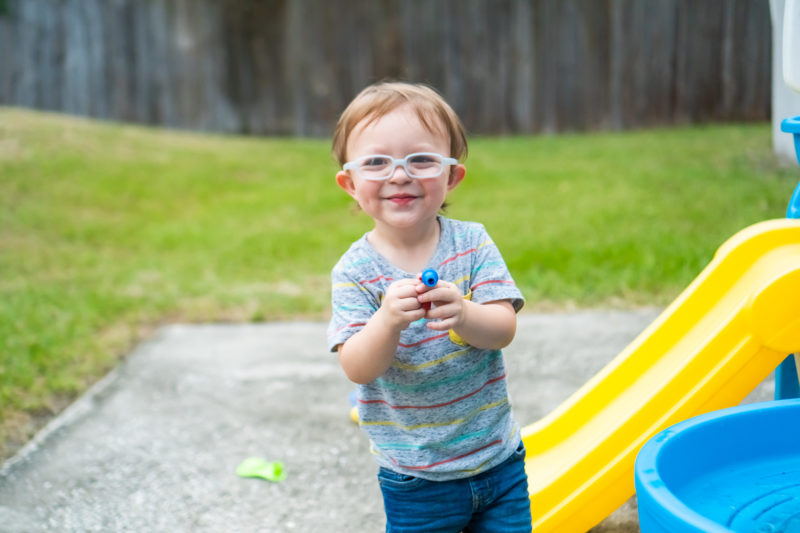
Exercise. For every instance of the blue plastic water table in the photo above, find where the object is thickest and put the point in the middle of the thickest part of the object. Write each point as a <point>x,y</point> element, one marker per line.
<point>734,470</point>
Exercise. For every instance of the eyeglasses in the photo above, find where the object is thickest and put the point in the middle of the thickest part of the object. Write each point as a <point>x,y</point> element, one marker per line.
<point>381,167</point>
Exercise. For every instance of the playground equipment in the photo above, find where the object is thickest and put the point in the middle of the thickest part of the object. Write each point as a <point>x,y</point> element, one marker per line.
<point>736,469</point>
<point>791,43</point>
<point>715,343</point>
<point>721,337</point>
<point>787,384</point>
<point>727,471</point>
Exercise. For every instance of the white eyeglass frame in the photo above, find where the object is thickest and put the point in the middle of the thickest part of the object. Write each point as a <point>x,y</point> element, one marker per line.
<point>402,162</point>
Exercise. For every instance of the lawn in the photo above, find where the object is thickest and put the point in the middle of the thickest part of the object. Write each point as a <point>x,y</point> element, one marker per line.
<point>107,231</point>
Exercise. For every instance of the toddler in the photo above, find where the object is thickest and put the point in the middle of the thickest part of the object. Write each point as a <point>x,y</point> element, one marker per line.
<point>432,394</point>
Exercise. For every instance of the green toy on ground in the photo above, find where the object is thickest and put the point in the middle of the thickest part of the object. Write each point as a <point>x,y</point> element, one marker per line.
<point>258,467</point>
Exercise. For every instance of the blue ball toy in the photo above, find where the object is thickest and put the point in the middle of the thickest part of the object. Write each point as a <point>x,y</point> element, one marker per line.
<point>430,277</point>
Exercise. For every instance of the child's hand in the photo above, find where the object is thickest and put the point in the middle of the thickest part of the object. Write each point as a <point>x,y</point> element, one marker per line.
<point>400,305</point>
<point>448,305</point>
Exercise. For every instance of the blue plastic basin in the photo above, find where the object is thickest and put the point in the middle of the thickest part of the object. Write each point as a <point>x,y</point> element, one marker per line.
<point>732,470</point>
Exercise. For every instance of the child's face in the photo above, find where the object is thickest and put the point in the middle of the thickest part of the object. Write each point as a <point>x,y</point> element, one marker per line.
<point>399,202</point>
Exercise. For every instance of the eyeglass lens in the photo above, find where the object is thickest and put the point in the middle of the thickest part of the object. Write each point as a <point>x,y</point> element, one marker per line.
<point>416,165</point>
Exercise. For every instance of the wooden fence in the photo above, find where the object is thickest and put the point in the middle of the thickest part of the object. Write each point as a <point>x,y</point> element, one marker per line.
<point>288,67</point>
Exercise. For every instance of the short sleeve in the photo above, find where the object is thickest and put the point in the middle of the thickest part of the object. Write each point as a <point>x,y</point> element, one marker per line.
<point>351,307</point>
<point>490,279</point>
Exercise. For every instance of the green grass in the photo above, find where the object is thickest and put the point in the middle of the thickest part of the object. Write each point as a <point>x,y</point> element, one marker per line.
<point>109,230</point>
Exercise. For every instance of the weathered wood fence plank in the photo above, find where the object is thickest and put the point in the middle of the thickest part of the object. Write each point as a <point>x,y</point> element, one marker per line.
<point>289,66</point>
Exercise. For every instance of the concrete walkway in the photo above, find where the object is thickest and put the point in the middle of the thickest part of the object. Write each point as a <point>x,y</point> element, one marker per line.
<point>154,446</point>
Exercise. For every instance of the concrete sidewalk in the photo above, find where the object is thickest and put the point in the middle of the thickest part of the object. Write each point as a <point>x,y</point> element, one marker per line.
<point>154,446</point>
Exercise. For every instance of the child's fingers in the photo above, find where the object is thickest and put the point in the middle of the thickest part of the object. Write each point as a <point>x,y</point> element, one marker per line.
<point>401,300</point>
<point>441,325</point>
<point>442,294</point>
<point>421,288</point>
<point>407,304</point>
<point>443,311</point>
<point>402,289</point>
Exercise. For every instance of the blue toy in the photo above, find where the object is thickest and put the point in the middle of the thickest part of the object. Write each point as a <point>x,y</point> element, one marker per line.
<point>725,471</point>
<point>430,277</point>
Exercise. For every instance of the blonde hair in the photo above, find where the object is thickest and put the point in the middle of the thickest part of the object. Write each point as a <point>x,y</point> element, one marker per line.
<point>379,99</point>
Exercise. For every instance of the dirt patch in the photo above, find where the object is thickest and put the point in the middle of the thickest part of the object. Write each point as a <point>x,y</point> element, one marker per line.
<point>20,427</point>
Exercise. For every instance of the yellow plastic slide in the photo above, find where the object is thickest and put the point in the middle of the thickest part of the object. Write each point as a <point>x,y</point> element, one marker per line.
<point>723,335</point>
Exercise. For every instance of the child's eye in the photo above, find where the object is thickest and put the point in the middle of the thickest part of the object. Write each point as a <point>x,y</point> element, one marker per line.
<point>422,165</point>
<point>422,160</point>
<point>374,162</point>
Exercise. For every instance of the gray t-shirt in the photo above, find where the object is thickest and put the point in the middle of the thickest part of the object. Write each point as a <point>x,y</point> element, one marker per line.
<point>442,410</point>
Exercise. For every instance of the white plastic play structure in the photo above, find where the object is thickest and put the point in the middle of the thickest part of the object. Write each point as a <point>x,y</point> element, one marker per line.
<point>791,44</point>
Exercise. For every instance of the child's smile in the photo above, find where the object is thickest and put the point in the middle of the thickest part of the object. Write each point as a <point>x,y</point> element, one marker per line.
<point>402,198</point>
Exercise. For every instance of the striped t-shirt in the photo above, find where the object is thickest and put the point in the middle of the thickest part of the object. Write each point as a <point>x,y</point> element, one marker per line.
<point>442,410</point>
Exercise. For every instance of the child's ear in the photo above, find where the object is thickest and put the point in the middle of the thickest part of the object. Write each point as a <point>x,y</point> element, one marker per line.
<point>456,175</point>
<point>345,181</point>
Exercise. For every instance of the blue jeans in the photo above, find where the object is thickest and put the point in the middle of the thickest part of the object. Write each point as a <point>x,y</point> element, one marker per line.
<point>495,500</point>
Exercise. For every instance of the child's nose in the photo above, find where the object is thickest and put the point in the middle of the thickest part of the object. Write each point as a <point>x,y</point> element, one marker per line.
<point>399,175</point>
